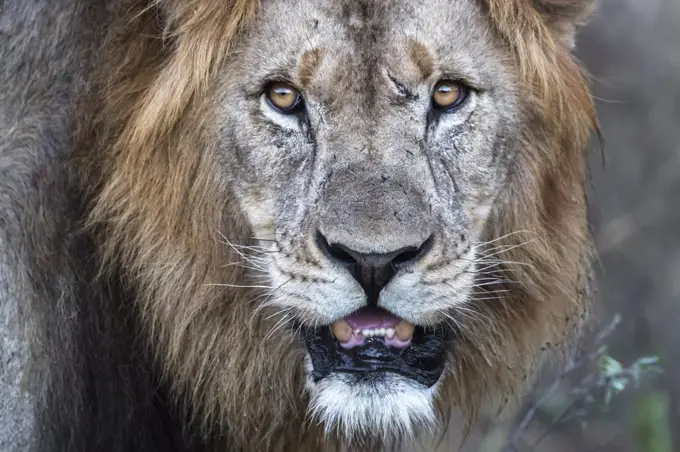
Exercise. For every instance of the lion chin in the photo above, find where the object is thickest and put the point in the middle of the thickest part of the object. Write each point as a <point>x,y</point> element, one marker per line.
<point>374,372</point>
<point>359,405</point>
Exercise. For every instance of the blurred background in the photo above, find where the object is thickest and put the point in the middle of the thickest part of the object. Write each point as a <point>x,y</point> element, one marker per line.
<point>631,48</point>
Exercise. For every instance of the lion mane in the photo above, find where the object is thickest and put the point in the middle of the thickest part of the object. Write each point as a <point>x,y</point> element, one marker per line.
<point>154,211</point>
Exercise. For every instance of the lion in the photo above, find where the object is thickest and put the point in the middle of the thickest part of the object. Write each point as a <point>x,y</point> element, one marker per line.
<point>278,225</point>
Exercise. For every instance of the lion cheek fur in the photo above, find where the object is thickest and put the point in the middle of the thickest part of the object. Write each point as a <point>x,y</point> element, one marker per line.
<point>172,332</point>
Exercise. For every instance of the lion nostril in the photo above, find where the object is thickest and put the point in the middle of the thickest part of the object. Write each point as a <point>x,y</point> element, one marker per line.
<point>405,257</point>
<point>412,254</point>
<point>373,271</point>
<point>337,252</point>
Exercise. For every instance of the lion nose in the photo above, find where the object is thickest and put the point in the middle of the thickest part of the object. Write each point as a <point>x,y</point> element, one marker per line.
<point>373,271</point>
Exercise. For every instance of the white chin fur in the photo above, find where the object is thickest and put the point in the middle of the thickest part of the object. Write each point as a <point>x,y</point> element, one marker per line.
<point>396,408</point>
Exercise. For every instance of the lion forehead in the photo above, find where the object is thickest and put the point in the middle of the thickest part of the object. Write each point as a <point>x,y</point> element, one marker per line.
<point>343,44</point>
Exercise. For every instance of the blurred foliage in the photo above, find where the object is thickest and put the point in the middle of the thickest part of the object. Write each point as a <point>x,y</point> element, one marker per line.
<point>652,423</point>
<point>616,379</point>
<point>586,388</point>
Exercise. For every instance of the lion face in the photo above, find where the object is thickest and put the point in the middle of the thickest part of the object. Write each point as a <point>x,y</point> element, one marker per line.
<point>412,175</point>
<point>367,148</point>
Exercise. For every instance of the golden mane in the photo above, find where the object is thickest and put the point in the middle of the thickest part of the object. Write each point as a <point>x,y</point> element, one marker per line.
<point>157,211</point>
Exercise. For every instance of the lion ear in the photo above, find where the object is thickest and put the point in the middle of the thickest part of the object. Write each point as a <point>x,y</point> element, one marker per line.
<point>566,16</point>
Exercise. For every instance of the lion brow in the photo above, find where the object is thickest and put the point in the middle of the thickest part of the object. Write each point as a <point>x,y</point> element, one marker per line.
<point>421,58</point>
<point>309,64</point>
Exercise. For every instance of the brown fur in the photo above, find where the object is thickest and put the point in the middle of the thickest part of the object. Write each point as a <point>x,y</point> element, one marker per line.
<point>421,57</point>
<point>157,211</point>
<point>309,63</point>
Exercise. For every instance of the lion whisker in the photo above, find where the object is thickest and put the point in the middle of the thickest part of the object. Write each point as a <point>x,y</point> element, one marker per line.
<point>470,314</point>
<point>226,241</point>
<point>484,298</point>
<point>492,282</point>
<point>248,263</point>
<point>456,323</point>
<point>497,250</point>
<point>499,273</point>
<point>485,245</point>
<point>280,323</point>
<point>298,329</point>
<point>489,266</point>
<point>274,314</point>
<point>492,264</point>
<point>257,263</point>
<point>488,292</point>
<point>265,303</point>
<point>510,234</point>
<point>262,239</point>
<point>253,249</point>
<point>239,286</point>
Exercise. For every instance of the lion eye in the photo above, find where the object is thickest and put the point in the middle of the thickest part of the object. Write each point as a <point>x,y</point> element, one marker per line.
<point>449,95</point>
<point>283,97</point>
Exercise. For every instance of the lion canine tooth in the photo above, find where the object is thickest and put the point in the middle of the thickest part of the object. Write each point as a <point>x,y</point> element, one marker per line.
<point>389,332</point>
<point>342,331</point>
<point>404,330</point>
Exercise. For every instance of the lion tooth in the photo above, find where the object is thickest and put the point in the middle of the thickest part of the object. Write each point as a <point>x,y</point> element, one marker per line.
<point>342,331</point>
<point>404,330</point>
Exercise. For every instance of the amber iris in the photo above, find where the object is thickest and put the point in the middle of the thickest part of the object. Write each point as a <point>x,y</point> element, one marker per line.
<point>283,97</point>
<point>448,95</point>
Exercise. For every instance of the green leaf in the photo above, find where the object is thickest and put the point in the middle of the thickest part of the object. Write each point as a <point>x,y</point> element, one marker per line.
<point>619,384</point>
<point>647,360</point>
<point>609,366</point>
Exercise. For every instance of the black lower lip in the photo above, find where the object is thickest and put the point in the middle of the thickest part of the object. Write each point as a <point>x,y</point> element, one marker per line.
<point>423,360</point>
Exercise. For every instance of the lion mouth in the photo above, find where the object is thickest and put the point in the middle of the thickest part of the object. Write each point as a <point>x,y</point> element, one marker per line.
<point>372,340</point>
<point>366,323</point>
